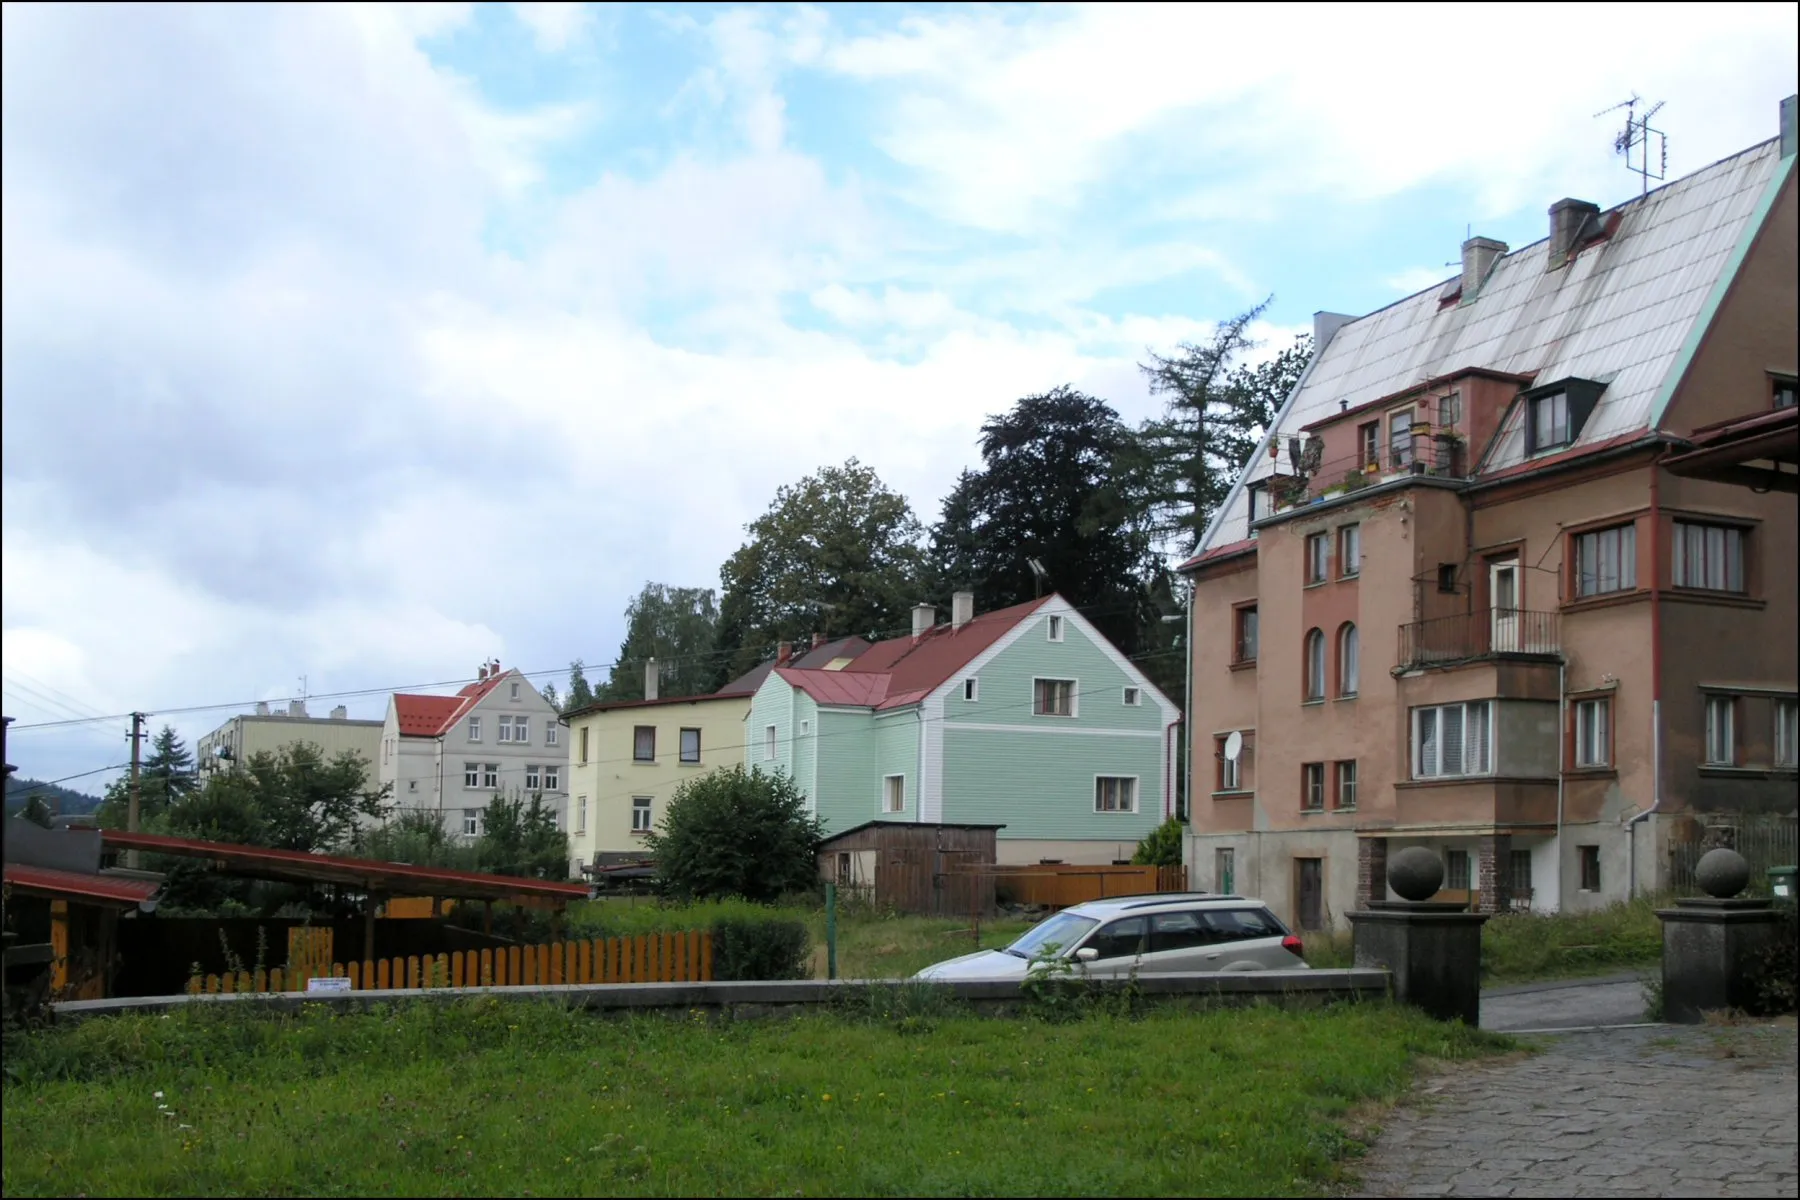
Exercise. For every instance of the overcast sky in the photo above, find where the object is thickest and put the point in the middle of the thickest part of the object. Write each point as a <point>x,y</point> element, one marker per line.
<point>363,343</point>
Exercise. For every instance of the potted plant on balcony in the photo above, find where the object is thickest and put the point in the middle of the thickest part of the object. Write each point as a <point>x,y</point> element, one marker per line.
<point>1354,479</point>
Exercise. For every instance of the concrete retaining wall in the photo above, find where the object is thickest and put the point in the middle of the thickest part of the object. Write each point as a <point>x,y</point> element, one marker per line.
<point>756,999</point>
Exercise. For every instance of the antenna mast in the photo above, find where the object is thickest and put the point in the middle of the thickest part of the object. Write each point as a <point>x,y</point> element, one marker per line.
<point>1635,139</point>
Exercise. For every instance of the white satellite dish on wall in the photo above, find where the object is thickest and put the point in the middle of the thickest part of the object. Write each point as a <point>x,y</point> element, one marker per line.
<point>1234,745</point>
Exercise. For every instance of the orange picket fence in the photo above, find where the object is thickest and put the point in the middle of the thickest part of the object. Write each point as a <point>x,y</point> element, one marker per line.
<point>1058,885</point>
<point>647,958</point>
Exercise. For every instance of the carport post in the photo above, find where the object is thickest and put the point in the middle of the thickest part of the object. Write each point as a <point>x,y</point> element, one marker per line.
<point>374,901</point>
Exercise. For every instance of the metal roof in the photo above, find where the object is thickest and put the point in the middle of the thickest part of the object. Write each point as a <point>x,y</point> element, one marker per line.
<point>1619,314</point>
<point>904,825</point>
<point>103,888</point>
<point>367,874</point>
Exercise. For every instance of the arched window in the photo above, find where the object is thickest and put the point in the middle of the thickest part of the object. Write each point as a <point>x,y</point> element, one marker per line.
<point>1349,660</point>
<point>1315,665</point>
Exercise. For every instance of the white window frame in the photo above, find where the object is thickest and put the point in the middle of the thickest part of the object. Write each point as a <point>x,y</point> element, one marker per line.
<point>471,822</point>
<point>506,728</point>
<point>490,776</point>
<point>1421,769</point>
<point>1130,783</point>
<point>471,774</point>
<point>534,777</point>
<point>552,779</point>
<point>889,793</point>
<point>1593,732</point>
<point>643,816</point>
<point>1721,731</point>
<point>1349,650</point>
<point>681,752</point>
<point>581,814</point>
<point>1722,558</point>
<point>1231,778</point>
<point>515,689</point>
<point>1557,405</point>
<point>1132,696</point>
<point>1053,627</point>
<point>1591,568</point>
<point>1318,558</point>
<point>1349,551</point>
<point>1316,662</point>
<point>551,736</point>
<point>1312,783</point>
<point>1786,739</point>
<point>1074,697</point>
<point>768,743</point>
<point>972,689</point>
<point>474,729</point>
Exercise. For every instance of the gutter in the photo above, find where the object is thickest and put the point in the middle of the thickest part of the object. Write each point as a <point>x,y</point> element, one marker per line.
<point>1656,722</point>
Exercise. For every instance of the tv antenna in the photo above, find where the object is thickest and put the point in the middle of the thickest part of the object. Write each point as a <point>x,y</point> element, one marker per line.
<point>1635,140</point>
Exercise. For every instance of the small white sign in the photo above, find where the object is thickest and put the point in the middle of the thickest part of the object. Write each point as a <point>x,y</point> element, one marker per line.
<point>328,983</point>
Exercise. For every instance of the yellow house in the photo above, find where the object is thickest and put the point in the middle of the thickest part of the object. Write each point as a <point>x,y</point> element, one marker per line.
<point>626,759</point>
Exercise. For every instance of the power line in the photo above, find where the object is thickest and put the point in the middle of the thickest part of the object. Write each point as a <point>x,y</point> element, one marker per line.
<point>43,783</point>
<point>712,656</point>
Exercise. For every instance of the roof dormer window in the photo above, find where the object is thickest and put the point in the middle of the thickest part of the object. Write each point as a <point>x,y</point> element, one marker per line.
<point>1549,418</point>
<point>1556,413</point>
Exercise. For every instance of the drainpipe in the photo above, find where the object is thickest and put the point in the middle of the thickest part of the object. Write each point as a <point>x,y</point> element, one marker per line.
<point>1656,722</point>
<point>1562,767</point>
<point>1187,708</point>
<point>919,790</point>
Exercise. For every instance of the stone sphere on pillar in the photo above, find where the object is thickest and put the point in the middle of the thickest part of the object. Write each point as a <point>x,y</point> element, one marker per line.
<point>1722,873</point>
<point>1416,873</point>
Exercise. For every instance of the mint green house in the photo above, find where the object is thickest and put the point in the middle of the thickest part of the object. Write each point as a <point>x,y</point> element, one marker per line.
<point>1026,717</point>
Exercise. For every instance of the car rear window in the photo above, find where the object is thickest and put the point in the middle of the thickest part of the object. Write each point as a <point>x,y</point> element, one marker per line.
<point>1121,939</point>
<point>1241,924</point>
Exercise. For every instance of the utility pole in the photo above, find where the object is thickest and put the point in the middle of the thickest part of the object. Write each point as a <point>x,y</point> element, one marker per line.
<point>131,818</point>
<point>4,815</point>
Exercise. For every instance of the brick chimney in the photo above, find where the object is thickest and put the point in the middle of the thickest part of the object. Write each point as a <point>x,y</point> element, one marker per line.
<point>924,617</point>
<point>1568,220</point>
<point>783,652</point>
<point>481,675</point>
<point>1479,254</point>
<point>652,678</point>
<point>962,609</point>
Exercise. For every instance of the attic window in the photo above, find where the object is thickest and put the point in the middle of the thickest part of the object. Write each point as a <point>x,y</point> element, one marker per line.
<point>1054,628</point>
<point>1549,419</point>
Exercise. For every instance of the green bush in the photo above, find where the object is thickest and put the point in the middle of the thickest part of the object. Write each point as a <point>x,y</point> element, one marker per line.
<point>760,948</point>
<point>736,833</point>
<point>1162,848</point>
<point>1775,972</point>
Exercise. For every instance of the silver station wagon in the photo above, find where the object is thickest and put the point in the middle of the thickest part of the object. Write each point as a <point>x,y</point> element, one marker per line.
<point>1157,934</point>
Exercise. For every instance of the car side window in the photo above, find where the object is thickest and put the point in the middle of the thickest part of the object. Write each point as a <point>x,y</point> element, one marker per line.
<point>1121,939</point>
<point>1240,924</point>
<point>1177,931</point>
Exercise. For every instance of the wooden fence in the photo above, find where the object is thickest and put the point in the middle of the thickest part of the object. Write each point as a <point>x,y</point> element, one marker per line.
<point>1058,885</point>
<point>646,958</point>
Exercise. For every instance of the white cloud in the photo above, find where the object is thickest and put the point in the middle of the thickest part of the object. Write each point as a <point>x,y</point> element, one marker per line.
<point>555,27</point>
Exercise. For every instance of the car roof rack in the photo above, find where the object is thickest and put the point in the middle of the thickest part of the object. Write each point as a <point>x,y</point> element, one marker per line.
<point>1171,898</point>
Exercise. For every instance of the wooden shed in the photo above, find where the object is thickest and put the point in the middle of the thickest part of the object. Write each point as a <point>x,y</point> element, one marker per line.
<point>913,867</point>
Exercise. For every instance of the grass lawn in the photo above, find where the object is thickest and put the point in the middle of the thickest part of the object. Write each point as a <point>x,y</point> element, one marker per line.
<point>495,1098</point>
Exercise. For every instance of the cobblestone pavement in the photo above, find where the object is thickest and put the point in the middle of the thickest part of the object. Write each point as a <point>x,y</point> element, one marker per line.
<point>1660,1111</point>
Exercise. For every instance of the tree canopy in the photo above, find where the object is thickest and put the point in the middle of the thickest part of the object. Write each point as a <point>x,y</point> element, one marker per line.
<point>837,553</point>
<point>1049,489</point>
<point>736,833</point>
<point>676,626</point>
<point>1182,464</point>
<point>165,777</point>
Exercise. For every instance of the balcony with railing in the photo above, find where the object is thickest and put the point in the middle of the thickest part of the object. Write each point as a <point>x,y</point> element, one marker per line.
<point>1302,476</point>
<point>1483,633</point>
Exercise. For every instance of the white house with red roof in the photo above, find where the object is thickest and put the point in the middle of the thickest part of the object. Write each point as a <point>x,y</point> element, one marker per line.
<point>452,754</point>
<point>1025,717</point>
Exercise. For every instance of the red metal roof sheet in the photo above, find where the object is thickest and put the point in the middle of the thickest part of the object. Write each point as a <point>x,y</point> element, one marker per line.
<point>860,690</point>
<point>814,659</point>
<point>915,667</point>
<point>78,885</point>
<point>373,874</point>
<point>434,716</point>
<point>1218,552</point>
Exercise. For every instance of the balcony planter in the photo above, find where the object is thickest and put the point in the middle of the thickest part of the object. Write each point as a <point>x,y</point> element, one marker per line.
<point>1421,428</point>
<point>1354,481</point>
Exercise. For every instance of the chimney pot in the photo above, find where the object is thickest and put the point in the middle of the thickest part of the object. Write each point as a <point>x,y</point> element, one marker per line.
<point>962,609</point>
<point>1479,254</point>
<point>339,713</point>
<point>262,708</point>
<point>783,652</point>
<point>924,617</point>
<point>481,675</point>
<point>652,678</point>
<point>296,708</point>
<point>1568,218</point>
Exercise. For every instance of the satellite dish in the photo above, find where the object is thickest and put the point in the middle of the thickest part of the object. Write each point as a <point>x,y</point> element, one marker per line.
<point>1234,745</point>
